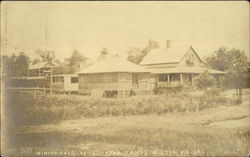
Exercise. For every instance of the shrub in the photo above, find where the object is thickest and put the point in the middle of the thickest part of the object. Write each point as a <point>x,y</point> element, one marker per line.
<point>47,109</point>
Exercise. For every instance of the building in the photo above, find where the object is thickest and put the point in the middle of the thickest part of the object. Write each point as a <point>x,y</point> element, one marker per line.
<point>40,69</point>
<point>173,66</point>
<point>114,77</point>
<point>65,83</point>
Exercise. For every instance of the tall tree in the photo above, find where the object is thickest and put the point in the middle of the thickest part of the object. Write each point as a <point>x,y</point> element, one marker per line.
<point>46,55</point>
<point>5,65</point>
<point>75,61</point>
<point>15,65</point>
<point>235,63</point>
<point>103,54</point>
<point>136,55</point>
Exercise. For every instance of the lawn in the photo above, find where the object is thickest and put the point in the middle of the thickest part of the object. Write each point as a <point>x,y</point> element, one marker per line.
<point>214,131</point>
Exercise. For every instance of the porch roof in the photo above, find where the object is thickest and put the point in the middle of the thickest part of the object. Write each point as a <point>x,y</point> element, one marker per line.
<point>190,70</point>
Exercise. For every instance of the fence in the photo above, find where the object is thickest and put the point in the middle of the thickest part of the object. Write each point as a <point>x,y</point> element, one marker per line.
<point>38,90</point>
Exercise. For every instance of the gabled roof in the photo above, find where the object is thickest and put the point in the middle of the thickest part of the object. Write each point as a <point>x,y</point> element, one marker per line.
<point>166,55</point>
<point>113,64</point>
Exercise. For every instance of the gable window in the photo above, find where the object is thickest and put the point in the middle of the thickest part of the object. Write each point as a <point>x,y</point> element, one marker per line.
<point>74,79</point>
<point>190,59</point>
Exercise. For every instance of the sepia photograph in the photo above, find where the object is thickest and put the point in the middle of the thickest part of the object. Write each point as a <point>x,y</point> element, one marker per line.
<point>125,78</point>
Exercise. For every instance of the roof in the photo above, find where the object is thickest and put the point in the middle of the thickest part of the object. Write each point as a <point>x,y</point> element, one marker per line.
<point>193,70</point>
<point>113,64</point>
<point>40,65</point>
<point>166,55</point>
<point>37,66</point>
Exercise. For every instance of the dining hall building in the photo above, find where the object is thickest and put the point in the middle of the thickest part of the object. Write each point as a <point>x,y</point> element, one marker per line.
<point>114,77</point>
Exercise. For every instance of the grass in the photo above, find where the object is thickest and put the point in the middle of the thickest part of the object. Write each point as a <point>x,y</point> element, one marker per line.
<point>147,123</point>
<point>140,133</point>
<point>47,109</point>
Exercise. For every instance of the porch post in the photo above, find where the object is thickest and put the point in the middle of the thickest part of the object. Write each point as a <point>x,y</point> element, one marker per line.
<point>168,79</point>
<point>191,79</point>
<point>180,78</point>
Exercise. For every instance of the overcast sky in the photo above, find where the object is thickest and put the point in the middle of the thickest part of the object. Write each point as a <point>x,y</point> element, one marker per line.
<point>90,26</point>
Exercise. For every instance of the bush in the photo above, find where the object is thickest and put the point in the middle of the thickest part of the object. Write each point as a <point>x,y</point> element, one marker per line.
<point>46,109</point>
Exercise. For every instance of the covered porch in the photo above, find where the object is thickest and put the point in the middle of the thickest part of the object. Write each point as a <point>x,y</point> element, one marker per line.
<point>172,77</point>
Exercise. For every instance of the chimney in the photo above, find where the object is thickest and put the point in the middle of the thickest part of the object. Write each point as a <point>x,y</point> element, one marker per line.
<point>168,44</point>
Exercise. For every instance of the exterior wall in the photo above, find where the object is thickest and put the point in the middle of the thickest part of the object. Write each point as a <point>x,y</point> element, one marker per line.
<point>68,85</point>
<point>121,82</point>
<point>163,65</point>
<point>190,59</point>
<point>89,82</point>
<point>63,83</point>
<point>58,83</point>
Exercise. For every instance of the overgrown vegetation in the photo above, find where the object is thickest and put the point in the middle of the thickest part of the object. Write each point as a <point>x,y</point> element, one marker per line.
<point>46,108</point>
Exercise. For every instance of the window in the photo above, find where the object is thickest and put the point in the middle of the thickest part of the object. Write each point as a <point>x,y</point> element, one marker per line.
<point>74,79</point>
<point>107,78</point>
<point>57,79</point>
<point>124,76</point>
<point>190,59</point>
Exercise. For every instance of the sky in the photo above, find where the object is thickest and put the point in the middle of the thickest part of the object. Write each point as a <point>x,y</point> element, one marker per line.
<point>64,26</point>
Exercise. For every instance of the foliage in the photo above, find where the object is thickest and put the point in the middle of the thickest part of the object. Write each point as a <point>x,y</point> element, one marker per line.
<point>136,55</point>
<point>46,108</point>
<point>204,80</point>
<point>46,55</point>
<point>103,54</point>
<point>235,63</point>
<point>74,62</point>
<point>15,65</point>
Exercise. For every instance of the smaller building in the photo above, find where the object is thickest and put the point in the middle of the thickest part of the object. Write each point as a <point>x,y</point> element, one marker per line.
<point>65,83</point>
<point>114,77</point>
<point>40,69</point>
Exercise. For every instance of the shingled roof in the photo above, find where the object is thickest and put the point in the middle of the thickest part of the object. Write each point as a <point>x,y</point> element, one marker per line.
<point>166,55</point>
<point>113,64</point>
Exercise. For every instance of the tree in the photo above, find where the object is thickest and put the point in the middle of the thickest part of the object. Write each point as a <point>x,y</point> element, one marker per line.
<point>73,63</point>
<point>46,55</point>
<point>36,61</point>
<point>235,63</point>
<point>60,68</point>
<point>22,64</point>
<point>203,81</point>
<point>136,55</point>
<point>15,65</point>
<point>103,54</point>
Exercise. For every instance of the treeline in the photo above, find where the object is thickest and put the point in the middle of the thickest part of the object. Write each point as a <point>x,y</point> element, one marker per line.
<point>17,65</point>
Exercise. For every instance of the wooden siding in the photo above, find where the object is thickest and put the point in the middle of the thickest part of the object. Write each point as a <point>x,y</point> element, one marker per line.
<point>190,55</point>
<point>163,65</point>
<point>68,85</point>
<point>122,81</point>
<point>63,83</point>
